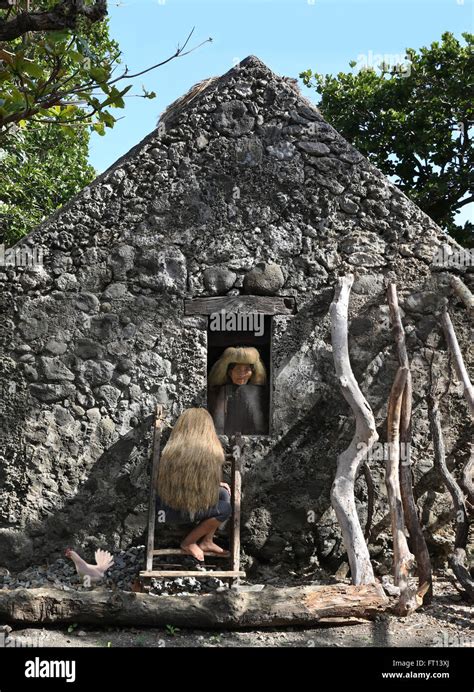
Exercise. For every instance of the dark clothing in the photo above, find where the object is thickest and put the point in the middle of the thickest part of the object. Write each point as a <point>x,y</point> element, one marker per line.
<point>239,409</point>
<point>221,511</point>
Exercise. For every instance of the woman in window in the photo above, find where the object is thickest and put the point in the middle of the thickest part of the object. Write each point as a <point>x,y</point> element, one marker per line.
<point>189,485</point>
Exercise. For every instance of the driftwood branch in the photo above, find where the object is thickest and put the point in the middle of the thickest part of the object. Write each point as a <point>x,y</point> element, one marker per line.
<point>64,15</point>
<point>417,539</point>
<point>461,370</point>
<point>350,460</point>
<point>458,558</point>
<point>468,477</point>
<point>233,609</point>
<point>462,291</point>
<point>403,560</point>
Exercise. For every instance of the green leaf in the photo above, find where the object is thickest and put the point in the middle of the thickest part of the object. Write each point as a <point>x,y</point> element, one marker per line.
<point>99,128</point>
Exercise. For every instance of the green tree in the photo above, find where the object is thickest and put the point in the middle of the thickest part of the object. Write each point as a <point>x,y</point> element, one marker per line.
<point>41,167</point>
<point>414,121</point>
<point>56,56</point>
<point>59,78</point>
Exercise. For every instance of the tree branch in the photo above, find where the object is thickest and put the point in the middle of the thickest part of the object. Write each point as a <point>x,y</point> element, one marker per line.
<point>64,15</point>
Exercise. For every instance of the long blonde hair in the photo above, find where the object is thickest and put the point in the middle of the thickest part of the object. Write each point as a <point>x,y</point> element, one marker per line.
<point>190,468</point>
<point>218,374</point>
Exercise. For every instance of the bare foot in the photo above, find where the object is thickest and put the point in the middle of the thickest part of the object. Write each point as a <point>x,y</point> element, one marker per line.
<point>194,550</point>
<point>211,547</point>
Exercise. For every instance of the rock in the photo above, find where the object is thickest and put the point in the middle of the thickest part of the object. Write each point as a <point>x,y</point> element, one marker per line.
<point>368,284</point>
<point>108,394</point>
<point>314,148</point>
<point>93,415</point>
<point>233,119</point>
<point>348,205</point>
<point>54,370</point>
<point>87,302</point>
<point>121,261</point>
<point>284,151</point>
<point>49,393</point>
<point>201,142</point>
<point>116,291</point>
<point>264,280</point>
<point>124,365</point>
<point>249,151</point>
<point>97,373</point>
<point>57,348</point>
<point>87,348</point>
<point>424,302</point>
<point>218,280</point>
<point>163,270</point>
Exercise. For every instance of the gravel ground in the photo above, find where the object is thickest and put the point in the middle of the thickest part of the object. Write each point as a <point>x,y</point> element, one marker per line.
<point>448,622</point>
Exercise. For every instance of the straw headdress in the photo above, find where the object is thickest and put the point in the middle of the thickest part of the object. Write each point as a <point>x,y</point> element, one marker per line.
<point>237,354</point>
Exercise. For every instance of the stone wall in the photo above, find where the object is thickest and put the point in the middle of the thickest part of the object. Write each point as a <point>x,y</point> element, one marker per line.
<point>246,173</point>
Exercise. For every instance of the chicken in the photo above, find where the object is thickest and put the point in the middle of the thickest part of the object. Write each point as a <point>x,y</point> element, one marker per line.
<point>91,573</point>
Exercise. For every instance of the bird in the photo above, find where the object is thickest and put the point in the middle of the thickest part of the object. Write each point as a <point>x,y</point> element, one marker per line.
<point>91,573</point>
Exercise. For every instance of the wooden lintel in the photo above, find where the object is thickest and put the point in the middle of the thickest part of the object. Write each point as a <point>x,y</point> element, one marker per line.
<point>267,305</point>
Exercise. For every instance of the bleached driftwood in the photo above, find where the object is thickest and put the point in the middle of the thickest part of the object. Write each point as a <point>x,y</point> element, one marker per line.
<point>462,291</point>
<point>417,540</point>
<point>461,371</point>
<point>468,477</point>
<point>458,558</point>
<point>232,609</point>
<point>349,461</point>
<point>403,560</point>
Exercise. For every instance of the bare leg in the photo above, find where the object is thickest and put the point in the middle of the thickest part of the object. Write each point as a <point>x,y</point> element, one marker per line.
<point>207,544</point>
<point>189,544</point>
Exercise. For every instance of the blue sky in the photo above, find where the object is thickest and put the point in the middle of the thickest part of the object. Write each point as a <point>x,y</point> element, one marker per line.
<point>288,35</point>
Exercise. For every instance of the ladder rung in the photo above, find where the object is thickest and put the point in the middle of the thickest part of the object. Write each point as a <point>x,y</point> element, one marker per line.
<point>199,574</point>
<point>177,551</point>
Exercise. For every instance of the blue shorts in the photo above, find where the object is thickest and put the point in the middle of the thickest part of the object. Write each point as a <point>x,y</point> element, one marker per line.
<point>221,511</point>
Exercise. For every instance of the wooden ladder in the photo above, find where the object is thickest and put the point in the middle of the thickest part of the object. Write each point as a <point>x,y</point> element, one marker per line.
<point>234,573</point>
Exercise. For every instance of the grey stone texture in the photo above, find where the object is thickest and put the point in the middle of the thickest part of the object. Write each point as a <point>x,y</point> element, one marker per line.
<point>245,175</point>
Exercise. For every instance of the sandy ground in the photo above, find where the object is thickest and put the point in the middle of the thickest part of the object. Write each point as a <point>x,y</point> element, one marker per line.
<point>447,622</point>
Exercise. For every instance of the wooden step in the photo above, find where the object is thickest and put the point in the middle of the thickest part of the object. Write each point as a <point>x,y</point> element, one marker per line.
<point>199,574</point>
<point>177,551</point>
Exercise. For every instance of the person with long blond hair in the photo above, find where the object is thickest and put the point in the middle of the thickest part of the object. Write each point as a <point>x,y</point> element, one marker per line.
<point>189,484</point>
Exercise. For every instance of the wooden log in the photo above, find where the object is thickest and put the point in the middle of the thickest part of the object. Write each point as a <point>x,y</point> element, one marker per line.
<point>461,371</point>
<point>417,539</point>
<point>403,560</point>
<point>231,609</point>
<point>350,460</point>
<point>268,305</point>
<point>458,558</point>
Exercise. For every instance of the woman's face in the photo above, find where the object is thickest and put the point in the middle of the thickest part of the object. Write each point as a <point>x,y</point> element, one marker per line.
<point>240,373</point>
